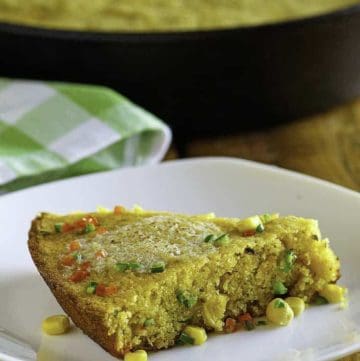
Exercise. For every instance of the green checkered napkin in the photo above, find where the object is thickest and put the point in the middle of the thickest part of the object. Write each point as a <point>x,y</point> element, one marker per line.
<point>56,130</point>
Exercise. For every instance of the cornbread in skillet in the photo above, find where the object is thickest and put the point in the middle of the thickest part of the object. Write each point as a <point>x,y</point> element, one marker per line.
<point>134,279</point>
<point>160,15</point>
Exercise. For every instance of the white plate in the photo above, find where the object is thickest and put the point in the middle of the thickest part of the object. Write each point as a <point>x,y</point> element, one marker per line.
<point>228,187</point>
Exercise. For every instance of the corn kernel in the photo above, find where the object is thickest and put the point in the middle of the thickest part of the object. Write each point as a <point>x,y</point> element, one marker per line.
<point>279,312</point>
<point>103,210</point>
<point>210,215</point>
<point>334,293</point>
<point>297,304</point>
<point>139,355</point>
<point>56,325</point>
<point>198,334</point>
<point>138,209</point>
<point>249,224</point>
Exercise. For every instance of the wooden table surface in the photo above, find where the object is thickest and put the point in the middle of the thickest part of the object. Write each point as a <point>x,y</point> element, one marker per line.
<point>326,146</point>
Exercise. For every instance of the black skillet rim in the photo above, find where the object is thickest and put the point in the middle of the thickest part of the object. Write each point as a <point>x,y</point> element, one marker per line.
<point>170,36</point>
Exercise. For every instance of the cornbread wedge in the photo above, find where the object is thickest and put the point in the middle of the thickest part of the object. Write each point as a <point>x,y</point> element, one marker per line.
<point>135,279</point>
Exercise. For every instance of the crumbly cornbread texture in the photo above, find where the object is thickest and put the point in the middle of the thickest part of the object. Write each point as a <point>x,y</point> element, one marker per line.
<point>202,283</point>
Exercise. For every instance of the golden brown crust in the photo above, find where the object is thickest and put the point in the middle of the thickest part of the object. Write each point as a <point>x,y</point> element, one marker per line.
<point>84,316</point>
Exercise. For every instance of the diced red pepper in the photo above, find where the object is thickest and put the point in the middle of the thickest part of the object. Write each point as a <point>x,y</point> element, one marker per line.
<point>80,224</point>
<point>91,219</point>
<point>111,290</point>
<point>230,325</point>
<point>245,317</point>
<point>79,276</point>
<point>100,290</point>
<point>101,230</point>
<point>103,291</point>
<point>248,233</point>
<point>118,210</point>
<point>247,321</point>
<point>67,227</point>
<point>85,266</point>
<point>68,260</point>
<point>74,246</point>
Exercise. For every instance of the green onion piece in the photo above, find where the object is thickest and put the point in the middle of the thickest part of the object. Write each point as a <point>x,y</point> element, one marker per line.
<point>185,321</point>
<point>209,238</point>
<point>122,267</point>
<point>158,267</point>
<point>261,323</point>
<point>266,217</point>
<point>186,299</point>
<point>249,325</point>
<point>222,240</point>
<point>91,288</point>
<point>279,288</point>
<point>133,266</point>
<point>149,322</point>
<point>89,228</point>
<point>185,339</point>
<point>58,227</point>
<point>78,257</point>
<point>319,300</point>
<point>288,261</point>
<point>260,228</point>
<point>279,304</point>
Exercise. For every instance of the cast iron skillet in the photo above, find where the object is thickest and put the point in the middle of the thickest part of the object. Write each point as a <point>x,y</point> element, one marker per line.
<point>204,81</point>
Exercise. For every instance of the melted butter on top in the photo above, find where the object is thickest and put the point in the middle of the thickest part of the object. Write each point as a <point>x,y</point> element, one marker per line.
<point>150,240</point>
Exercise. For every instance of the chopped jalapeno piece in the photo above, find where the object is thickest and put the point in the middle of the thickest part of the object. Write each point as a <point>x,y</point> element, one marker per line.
<point>158,267</point>
<point>90,227</point>
<point>279,288</point>
<point>222,240</point>
<point>209,238</point>
<point>186,299</point>
<point>260,228</point>
<point>149,322</point>
<point>185,339</point>
<point>91,287</point>
<point>58,227</point>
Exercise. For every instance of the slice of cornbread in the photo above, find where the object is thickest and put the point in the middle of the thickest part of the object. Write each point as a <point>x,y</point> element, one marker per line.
<point>134,279</point>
